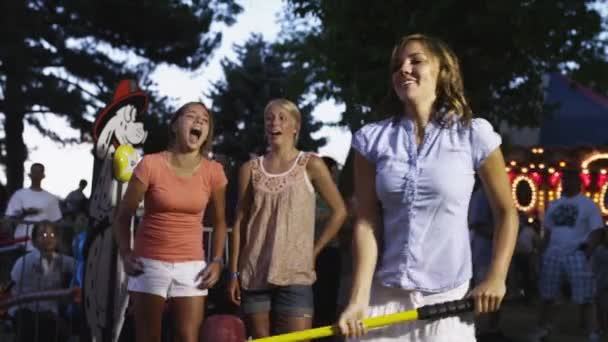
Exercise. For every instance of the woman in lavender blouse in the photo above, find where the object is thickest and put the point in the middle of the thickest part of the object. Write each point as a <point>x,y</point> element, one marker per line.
<point>419,164</point>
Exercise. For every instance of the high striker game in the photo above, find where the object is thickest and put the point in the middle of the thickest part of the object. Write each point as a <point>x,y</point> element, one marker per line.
<point>117,130</point>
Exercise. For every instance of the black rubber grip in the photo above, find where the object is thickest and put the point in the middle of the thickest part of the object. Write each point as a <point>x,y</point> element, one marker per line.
<point>446,309</point>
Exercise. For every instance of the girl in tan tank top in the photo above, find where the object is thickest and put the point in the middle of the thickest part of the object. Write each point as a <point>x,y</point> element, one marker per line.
<point>273,249</point>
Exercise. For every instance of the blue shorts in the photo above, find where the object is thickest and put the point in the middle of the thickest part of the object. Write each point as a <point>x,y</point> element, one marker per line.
<point>291,300</point>
<point>574,268</point>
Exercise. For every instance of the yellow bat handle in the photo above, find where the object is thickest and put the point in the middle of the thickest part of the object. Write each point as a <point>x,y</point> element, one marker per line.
<point>330,330</point>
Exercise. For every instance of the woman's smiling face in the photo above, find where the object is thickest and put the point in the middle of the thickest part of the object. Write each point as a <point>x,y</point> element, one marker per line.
<point>415,76</point>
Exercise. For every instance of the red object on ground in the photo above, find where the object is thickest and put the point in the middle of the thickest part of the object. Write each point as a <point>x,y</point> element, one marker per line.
<point>222,328</point>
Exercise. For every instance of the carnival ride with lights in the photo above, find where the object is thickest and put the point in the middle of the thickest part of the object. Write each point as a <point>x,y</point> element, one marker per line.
<point>535,176</point>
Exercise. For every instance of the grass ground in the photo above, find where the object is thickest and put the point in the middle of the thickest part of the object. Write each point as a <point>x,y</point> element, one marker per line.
<point>518,321</point>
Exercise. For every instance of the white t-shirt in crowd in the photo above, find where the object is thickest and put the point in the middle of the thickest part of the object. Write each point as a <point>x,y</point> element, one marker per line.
<point>27,198</point>
<point>570,220</point>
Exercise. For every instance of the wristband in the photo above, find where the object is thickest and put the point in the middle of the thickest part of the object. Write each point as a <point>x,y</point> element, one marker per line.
<point>234,275</point>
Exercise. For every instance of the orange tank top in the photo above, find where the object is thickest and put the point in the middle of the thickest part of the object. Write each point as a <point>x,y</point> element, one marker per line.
<point>171,229</point>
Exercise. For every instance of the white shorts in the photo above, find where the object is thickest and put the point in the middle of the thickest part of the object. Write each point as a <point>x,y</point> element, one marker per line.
<point>169,279</point>
<point>386,301</point>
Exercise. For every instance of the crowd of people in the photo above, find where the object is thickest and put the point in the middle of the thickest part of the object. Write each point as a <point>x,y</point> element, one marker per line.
<point>38,259</point>
<point>398,227</point>
<point>558,258</point>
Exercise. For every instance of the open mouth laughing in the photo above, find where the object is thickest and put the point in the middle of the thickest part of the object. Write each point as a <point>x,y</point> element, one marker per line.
<point>196,132</point>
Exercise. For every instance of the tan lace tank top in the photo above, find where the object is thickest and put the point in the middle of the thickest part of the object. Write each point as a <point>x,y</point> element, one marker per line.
<point>279,234</point>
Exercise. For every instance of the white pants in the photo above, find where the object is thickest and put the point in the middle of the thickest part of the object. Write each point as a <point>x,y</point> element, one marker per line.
<point>169,279</point>
<point>386,301</point>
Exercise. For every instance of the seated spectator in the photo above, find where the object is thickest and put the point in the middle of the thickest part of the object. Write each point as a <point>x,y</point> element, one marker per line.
<point>41,269</point>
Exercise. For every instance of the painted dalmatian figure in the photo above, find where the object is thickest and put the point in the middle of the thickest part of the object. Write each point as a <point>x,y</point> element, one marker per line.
<point>105,290</point>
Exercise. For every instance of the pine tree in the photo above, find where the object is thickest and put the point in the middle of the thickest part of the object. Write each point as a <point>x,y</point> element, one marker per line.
<point>65,58</point>
<point>261,73</point>
<point>505,48</point>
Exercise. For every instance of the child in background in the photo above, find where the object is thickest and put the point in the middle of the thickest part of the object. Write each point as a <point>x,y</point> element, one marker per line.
<point>39,270</point>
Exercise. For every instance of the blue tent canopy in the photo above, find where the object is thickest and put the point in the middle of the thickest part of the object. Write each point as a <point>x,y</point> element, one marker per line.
<point>580,116</point>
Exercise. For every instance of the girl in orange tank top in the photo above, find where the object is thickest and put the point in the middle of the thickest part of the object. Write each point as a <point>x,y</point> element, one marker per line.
<point>167,263</point>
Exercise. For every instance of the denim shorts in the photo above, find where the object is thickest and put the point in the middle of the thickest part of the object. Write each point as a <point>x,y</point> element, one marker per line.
<point>291,300</point>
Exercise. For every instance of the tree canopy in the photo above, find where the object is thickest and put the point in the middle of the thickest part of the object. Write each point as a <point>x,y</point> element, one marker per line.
<point>65,58</point>
<point>504,47</point>
<point>262,72</point>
